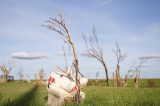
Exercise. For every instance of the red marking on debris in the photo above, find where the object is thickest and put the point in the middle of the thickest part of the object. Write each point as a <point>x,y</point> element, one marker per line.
<point>74,89</point>
<point>61,75</point>
<point>51,80</point>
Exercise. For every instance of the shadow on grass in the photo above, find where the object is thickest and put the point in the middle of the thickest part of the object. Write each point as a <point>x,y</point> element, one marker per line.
<point>25,100</point>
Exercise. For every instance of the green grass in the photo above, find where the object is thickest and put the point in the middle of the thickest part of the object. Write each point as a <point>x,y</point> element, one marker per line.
<point>108,96</point>
<point>23,94</point>
<point>143,83</point>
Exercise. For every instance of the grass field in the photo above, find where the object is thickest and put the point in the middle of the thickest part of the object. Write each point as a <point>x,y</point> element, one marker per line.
<point>107,96</point>
<point>23,94</point>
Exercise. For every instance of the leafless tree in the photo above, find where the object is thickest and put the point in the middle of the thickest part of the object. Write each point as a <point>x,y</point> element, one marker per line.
<point>120,57</point>
<point>97,74</point>
<point>94,50</point>
<point>6,69</point>
<point>36,78</point>
<point>114,80</point>
<point>58,24</point>
<point>69,73</point>
<point>135,72</point>
<point>41,75</point>
<point>20,73</point>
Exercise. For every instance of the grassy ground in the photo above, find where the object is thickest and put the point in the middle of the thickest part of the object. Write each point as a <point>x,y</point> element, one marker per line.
<point>108,96</point>
<point>23,94</point>
<point>143,83</point>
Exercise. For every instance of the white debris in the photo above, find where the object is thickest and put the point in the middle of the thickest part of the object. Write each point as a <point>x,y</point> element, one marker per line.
<point>60,87</point>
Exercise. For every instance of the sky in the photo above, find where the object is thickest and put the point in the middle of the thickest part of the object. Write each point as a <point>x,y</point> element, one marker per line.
<point>133,24</point>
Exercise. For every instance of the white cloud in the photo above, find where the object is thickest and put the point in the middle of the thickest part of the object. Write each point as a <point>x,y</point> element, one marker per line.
<point>28,55</point>
<point>150,56</point>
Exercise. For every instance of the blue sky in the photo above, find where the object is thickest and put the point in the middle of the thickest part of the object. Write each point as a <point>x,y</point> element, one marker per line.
<point>133,24</point>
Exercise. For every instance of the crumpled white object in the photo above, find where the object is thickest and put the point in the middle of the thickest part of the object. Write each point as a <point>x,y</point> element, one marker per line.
<point>60,87</point>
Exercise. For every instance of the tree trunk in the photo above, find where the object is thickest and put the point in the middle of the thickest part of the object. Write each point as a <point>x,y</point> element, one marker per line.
<point>106,72</point>
<point>118,79</point>
<point>77,82</point>
<point>6,76</point>
<point>137,79</point>
<point>77,98</point>
<point>136,82</point>
<point>114,81</point>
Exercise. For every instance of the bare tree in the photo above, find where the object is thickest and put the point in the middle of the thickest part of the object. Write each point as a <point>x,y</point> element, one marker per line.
<point>114,80</point>
<point>69,73</point>
<point>36,78</point>
<point>120,57</point>
<point>41,75</point>
<point>94,50</point>
<point>6,69</point>
<point>135,72</point>
<point>58,25</point>
<point>20,73</point>
<point>97,74</point>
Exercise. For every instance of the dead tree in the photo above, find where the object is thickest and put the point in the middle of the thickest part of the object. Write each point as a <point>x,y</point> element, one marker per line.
<point>124,82</point>
<point>69,73</point>
<point>6,69</point>
<point>94,50</point>
<point>120,57</point>
<point>114,80</point>
<point>58,25</point>
<point>97,74</point>
<point>41,76</point>
<point>135,72</point>
<point>36,78</point>
<point>20,74</point>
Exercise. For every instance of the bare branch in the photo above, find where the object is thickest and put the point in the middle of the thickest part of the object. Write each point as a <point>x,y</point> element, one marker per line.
<point>93,50</point>
<point>6,69</point>
<point>85,40</point>
<point>66,67</point>
<point>61,69</point>
<point>58,25</point>
<point>120,57</point>
<point>135,72</point>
